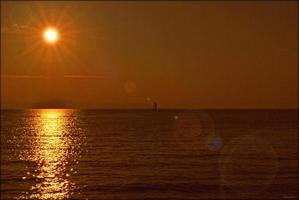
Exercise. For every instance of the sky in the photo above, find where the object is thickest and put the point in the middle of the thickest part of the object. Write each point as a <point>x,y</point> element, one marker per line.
<point>194,55</point>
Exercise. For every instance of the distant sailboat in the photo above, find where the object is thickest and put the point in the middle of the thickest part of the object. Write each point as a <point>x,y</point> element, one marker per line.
<point>155,106</point>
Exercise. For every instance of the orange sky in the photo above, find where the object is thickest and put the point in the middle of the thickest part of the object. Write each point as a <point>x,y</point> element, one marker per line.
<point>127,54</point>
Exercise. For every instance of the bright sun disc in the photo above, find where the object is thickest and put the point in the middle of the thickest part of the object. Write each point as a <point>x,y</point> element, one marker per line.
<point>51,35</point>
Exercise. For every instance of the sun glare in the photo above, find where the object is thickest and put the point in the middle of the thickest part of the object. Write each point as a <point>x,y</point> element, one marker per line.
<point>51,35</point>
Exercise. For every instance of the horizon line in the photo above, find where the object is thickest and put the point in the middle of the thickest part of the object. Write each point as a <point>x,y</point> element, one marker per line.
<point>150,109</point>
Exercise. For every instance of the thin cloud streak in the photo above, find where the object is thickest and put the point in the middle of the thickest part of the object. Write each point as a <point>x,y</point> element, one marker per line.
<point>15,28</point>
<point>13,76</point>
<point>23,77</point>
<point>83,76</point>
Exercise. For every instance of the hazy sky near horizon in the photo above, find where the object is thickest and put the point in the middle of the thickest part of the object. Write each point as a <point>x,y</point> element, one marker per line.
<point>127,54</point>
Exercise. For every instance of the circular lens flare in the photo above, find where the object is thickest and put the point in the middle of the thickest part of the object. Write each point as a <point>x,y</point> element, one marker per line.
<point>51,35</point>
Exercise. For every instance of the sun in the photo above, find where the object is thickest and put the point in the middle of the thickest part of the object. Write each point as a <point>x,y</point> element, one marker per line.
<point>51,35</point>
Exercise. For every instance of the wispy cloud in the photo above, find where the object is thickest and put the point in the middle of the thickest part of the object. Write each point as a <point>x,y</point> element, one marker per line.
<point>15,28</point>
<point>23,77</point>
<point>14,76</point>
<point>83,76</point>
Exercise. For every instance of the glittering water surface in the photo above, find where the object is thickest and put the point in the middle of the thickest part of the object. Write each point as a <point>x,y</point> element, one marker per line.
<point>46,144</point>
<point>170,154</point>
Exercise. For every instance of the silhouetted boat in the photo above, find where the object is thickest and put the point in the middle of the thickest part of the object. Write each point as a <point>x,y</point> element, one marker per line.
<point>155,106</point>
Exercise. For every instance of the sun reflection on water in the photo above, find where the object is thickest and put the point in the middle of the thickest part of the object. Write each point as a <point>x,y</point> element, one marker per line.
<point>52,150</point>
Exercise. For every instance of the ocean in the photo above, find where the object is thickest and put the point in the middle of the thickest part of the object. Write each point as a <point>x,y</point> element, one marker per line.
<point>142,154</point>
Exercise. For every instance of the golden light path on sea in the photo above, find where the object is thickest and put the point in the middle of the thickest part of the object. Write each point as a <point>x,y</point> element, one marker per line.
<point>53,150</point>
<point>52,155</point>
